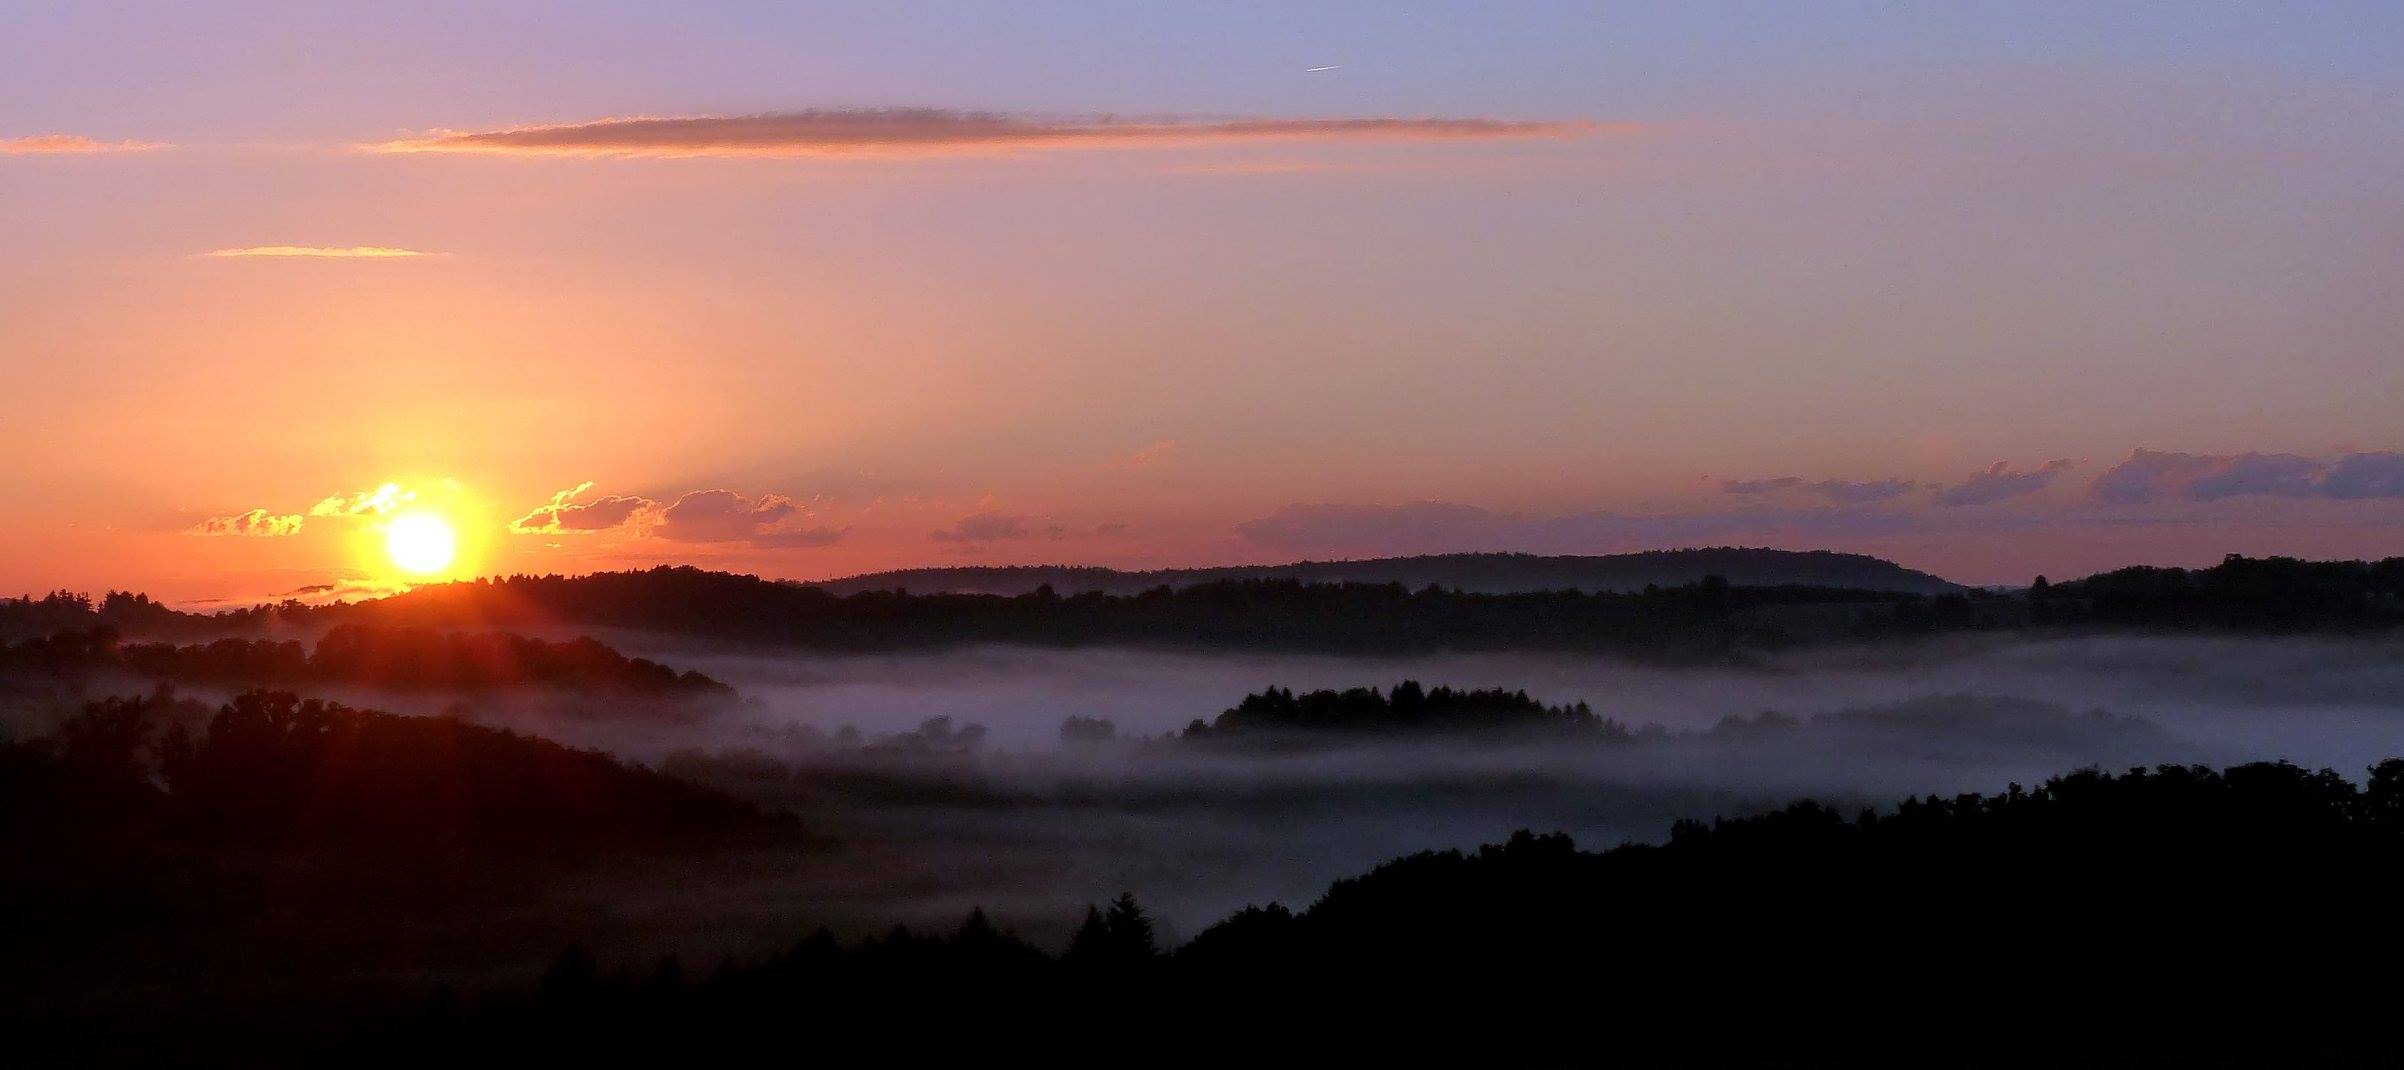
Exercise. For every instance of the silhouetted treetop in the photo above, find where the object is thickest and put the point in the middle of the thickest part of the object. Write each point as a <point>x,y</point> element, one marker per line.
<point>2240,593</point>
<point>1408,709</point>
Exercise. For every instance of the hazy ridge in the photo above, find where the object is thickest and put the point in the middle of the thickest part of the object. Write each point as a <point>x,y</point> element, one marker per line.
<point>1487,573</point>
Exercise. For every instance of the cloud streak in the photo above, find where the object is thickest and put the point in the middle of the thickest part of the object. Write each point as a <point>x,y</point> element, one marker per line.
<point>838,133</point>
<point>327,252</point>
<point>70,145</point>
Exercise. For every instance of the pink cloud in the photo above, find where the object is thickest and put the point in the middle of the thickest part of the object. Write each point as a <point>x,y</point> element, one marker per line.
<point>69,145</point>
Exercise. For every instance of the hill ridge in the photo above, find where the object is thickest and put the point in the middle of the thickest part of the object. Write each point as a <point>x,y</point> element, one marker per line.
<point>1477,573</point>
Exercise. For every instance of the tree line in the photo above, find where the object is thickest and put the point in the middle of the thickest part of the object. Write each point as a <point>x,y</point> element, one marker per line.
<point>357,655</point>
<point>1708,619</point>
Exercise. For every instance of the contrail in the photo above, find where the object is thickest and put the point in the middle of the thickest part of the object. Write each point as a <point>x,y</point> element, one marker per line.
<point>1314,70</point>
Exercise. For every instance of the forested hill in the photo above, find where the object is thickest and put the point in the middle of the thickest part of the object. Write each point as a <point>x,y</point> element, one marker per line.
<point>1228,614</point>
<point>397,659</point>
<point>1476,573</point>
<point>1710,617</point>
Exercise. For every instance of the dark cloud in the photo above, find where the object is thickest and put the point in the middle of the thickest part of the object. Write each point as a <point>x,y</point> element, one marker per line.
<point>720,516</point>
<point>1999,482</point>
<point>257,522</point>
<point>607,511</point>
<point>725,516</point>
<point>563,514</point>
<point>2365,475</point>
<point>835,132</point>
<point>2157,475</point>
<point>709,516</point>
<point>983,527</point>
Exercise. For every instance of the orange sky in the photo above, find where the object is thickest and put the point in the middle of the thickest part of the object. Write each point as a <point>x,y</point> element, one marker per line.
<point>1142,292</point>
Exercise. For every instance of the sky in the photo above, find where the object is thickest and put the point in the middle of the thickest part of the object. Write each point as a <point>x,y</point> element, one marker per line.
<point>1992,289</point>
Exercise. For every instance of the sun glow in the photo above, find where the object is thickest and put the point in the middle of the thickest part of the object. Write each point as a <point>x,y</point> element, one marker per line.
<point>420,543</point>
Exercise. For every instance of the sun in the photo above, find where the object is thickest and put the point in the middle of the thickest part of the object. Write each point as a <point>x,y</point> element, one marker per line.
<point>420,543</point>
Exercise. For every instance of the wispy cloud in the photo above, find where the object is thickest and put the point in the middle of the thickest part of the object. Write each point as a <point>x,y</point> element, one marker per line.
<point>935,131</point>
<point>1840,491</point>
<point>1258,167</point>
<point>983,527</point>
<point>69,145</point>
<point>1862,491</point>
<point>1999,482</point>
<point>345,252</point>
<point>1760,486</point>
<point>1152,453</point>
<point>257,522</point>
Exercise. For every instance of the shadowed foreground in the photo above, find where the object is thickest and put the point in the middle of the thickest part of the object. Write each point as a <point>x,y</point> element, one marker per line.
<point>2172,916</point>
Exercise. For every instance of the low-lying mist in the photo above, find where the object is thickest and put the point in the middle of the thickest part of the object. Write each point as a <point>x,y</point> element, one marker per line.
<point>995,808</point>
<point>947,782</point>
<point>2317,701</point>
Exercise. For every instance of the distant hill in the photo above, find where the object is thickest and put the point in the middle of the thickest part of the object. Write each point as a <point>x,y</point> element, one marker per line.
<point>397,659</point>
<point>1474,573</point>
<point>1582,603</point>
<point>270,771</point>
<point>1260,614</point>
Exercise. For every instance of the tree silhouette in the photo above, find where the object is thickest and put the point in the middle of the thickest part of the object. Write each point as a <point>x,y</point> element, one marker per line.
<point>2020,928</point>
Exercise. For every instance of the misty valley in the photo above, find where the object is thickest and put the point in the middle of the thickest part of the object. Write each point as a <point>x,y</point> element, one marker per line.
<point>1470,533</point>
<point>472,812</point>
